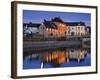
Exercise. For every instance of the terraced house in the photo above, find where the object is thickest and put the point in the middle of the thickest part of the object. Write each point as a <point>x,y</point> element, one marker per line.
<point>56,27</point>
<point>76,28</point>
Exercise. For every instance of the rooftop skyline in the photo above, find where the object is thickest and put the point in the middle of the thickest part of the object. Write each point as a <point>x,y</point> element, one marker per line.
<point>39,16</point>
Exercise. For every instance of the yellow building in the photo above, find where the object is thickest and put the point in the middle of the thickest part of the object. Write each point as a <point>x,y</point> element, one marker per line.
<point>58,28</point>
<point>54,28</point>
<point>61,27</point>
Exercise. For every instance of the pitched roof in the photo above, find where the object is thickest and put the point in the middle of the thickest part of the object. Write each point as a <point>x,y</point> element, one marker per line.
<point>75,23</point>
<point>32,24</point>
<point>57,19</point>
<point>50,24</point>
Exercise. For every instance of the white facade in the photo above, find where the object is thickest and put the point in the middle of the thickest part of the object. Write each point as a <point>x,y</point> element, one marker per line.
<point>76,30</point>
<point>33,29</point>
<point>30,30</point>
<point>42,30</point>
<point>72,30</point>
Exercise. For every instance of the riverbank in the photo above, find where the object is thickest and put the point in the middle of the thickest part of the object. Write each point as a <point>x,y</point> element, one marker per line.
<point>30,45</point>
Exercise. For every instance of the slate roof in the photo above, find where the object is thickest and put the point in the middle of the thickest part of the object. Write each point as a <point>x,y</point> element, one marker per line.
<point>57,19</point>
<point>75,23</point>
<point>32,24</point>
<point>50,24</point>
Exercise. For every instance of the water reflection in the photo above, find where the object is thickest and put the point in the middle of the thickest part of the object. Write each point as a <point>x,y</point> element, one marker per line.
<point>65,57</point>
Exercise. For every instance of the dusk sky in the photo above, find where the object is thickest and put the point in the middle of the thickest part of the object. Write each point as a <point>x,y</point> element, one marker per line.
<point>39,16</point>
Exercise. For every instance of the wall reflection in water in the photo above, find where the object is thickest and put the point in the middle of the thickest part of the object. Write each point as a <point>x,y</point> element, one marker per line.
<point>57,58</point>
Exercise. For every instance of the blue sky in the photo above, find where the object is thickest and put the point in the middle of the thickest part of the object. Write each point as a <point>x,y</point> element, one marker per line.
<point>39,16</point>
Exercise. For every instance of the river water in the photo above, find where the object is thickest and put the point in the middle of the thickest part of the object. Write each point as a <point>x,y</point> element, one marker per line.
<point>57,58</point>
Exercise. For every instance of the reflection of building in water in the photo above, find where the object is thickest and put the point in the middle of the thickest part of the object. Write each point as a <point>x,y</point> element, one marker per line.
<point>61,56</point>
<point>56,56</point>
<point>75,54</point>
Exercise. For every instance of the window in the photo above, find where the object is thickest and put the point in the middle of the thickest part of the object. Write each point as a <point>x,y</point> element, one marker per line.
<point>78,28</point>
<point>72,28</point>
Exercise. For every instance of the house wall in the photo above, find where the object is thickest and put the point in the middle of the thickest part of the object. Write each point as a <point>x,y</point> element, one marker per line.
<point>61,29</point>
<point>81,30</point>
<point>72,30</point>
<point>33,29</point>
<point>76,30</point>
<point>42,30</point>
<point>88,32</point>
<point>51,32</point>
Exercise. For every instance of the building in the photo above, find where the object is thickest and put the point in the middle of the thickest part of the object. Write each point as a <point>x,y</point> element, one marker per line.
<point>88,30</point>
<point>76,28</point>
<point>54,28</point>
<point>62,28</point>
<point>48,29</point>
<point>30,28</point>
<point>58,28</point>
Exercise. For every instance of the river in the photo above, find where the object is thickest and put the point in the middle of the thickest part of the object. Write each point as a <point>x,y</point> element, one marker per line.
<point>57,58</point>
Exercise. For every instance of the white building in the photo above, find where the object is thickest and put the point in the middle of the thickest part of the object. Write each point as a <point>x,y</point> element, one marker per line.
<point>56,28</point>
<point>76,28</point>
<point>42,30</point>
<point>30,28</point>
